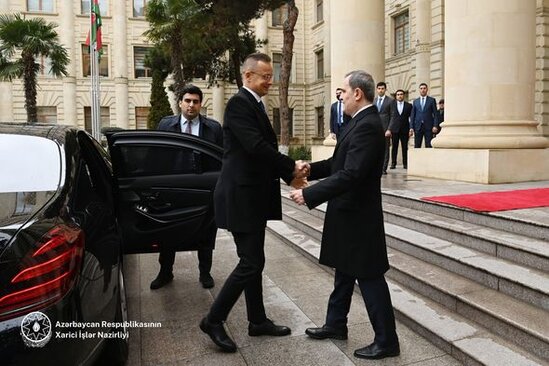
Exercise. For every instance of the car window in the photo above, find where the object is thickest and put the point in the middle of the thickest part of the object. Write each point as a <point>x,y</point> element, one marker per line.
<point>151,160</point>
<point>29,164</point>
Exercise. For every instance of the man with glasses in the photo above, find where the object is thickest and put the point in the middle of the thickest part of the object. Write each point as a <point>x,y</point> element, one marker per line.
<point>399,128</point>
<point>246,196</point>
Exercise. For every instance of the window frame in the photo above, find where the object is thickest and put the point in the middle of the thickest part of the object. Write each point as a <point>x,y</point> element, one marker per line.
<point>401,33</point>
<point>319,11</point>
<point>147,70</point>
<point>40,4</point>
<point>279,16</point>
<point>144,13</point>
<point>319,116</point>
<point>103,62</point>
<point>319,62</point>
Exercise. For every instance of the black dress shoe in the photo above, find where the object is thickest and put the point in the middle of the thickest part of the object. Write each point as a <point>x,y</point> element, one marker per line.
<point>161,280</point>
<point>375,352</point>
<point>405,166</point>
<point>393,167</point>
<point>326,332</point>
<point>218,335</point>
<point>268,328</point>
<point>207,281</point>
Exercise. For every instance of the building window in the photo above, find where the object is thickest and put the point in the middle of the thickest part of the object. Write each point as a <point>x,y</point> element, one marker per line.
<point>45,66</point>
<point>140,71</point>
<point>44,6</point>
<point>141,115</point>
<point>277,67</point>
<point>280,15</point>
<point>402,33</point>
<point>320,121</point>
<point>85,7</point>
<point>46,115</point>
<point>139,8</point>
<point>319,64</point>
<point>319,12</point>
<point>276,122</point>
<point>105,118</point>
<point>103,62</point>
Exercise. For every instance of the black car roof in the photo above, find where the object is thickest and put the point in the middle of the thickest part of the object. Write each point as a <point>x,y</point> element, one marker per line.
<point>52,132</point>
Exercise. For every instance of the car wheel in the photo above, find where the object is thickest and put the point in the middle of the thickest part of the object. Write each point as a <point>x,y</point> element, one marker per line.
<point>117,349</point>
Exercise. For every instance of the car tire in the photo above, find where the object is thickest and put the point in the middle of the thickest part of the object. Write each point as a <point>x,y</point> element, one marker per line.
<point>117,349</point>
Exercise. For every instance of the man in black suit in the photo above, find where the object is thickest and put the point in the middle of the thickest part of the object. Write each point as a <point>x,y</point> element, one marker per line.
<point>353,239</point>
<point>246,196</point>
<point>384,106</point>
<point>191,121</point>
<point>424,120</point>
<point>399,128</point>
<point>337,117</point>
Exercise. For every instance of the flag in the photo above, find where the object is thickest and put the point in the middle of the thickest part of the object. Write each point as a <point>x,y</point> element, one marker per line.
<point>95,28</point>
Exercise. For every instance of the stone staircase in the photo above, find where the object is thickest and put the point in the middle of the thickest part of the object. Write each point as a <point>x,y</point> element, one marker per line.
<point>475,285</point>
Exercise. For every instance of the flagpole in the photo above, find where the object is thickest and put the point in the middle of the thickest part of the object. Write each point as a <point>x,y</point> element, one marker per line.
<point>94,73</point>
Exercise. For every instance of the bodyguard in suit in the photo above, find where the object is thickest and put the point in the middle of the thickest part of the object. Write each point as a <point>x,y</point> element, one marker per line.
<point>424,121</point>
<point>337,117</point>
<point>399,128</point>
<point>191,121</point>
<point>384,106</point>
<point>353,239</point>
<point>246,196</point>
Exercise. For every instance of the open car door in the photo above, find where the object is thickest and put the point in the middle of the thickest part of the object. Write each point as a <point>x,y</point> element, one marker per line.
<point>164,183</point>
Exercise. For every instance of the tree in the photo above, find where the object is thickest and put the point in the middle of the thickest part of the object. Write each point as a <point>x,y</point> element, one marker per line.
<point>31,39</point>
<point>158,61</point>
<point>285,72</point>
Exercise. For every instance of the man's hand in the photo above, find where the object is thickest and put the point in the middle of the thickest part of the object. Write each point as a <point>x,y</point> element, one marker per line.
<point>411,132</point>
<point>388,133</point>
<point>297,196</point>
<point>299,183</point>
<point>333,135</point>
<point>435,130</point>
<point>302,169</point>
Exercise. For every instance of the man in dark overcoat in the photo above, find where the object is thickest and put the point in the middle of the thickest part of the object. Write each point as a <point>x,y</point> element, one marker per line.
<point>353,240</point>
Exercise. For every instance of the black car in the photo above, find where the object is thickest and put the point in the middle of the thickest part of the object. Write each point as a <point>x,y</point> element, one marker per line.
<point>68,213</point>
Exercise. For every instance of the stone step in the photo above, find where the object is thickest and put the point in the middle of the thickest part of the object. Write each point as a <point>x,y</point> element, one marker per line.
<point>504,221</point>
<point>458,335</point>
<point>523,283</point>
<point>498,243</point>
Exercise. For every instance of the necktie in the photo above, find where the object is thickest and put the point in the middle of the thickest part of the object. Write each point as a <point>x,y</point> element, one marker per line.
<point>188,129</point>
<point>422,102</point>
<point>379,101</point>
<point>262,106</point>
<point>339,113</point>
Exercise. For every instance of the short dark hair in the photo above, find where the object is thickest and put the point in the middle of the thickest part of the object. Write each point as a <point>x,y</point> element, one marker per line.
<point>190,89</point>
<point>423,84</point>
<point>364,81</point>
<point>339,89</point>
<point>381,83</point>
<point>400,90</point>
<point>441,101</point>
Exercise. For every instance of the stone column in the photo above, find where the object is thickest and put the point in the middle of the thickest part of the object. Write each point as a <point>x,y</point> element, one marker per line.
<point>262,32</point>
<point>357,38</point>
<point>423,42</point>
<point>489,134</point>
<point>6,101</point>
<point>218,101</point>
<point>120,62</point>
<point>66,35</point>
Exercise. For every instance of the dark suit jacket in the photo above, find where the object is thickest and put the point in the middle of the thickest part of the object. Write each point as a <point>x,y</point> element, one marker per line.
<point>386,111</point>
<point>334,125</point>
<point>428,115</point>
<point>400,123</point>
<point>248,191</point>
<point>353,239</point>
<point>210,130</point>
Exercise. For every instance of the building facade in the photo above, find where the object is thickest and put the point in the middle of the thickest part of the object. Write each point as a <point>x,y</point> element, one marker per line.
<point>489,59</point>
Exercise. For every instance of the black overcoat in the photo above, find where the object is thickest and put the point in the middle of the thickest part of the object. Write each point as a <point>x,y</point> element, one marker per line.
<point>353,239</point>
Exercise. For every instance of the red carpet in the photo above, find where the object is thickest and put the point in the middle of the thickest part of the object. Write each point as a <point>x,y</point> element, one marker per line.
<point>497,201</point>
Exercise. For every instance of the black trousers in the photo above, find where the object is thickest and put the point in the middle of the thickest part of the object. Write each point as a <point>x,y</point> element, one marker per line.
<point>246,277</point>
<point>403,137</point>
<point>386,159</point>
<point>377,299</point>
<point>167,259</point>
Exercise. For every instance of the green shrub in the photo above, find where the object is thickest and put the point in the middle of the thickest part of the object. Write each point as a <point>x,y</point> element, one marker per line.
<point>299,153</point>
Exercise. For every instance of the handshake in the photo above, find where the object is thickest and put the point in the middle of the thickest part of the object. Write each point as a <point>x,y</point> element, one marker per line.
<point>302,170</point>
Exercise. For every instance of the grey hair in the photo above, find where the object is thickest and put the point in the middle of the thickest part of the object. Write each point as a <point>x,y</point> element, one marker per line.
<point>251,61</point>
<point>364,81</point>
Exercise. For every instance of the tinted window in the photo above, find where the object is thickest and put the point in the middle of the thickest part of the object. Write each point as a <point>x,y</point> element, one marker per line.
<point>143,160</point>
